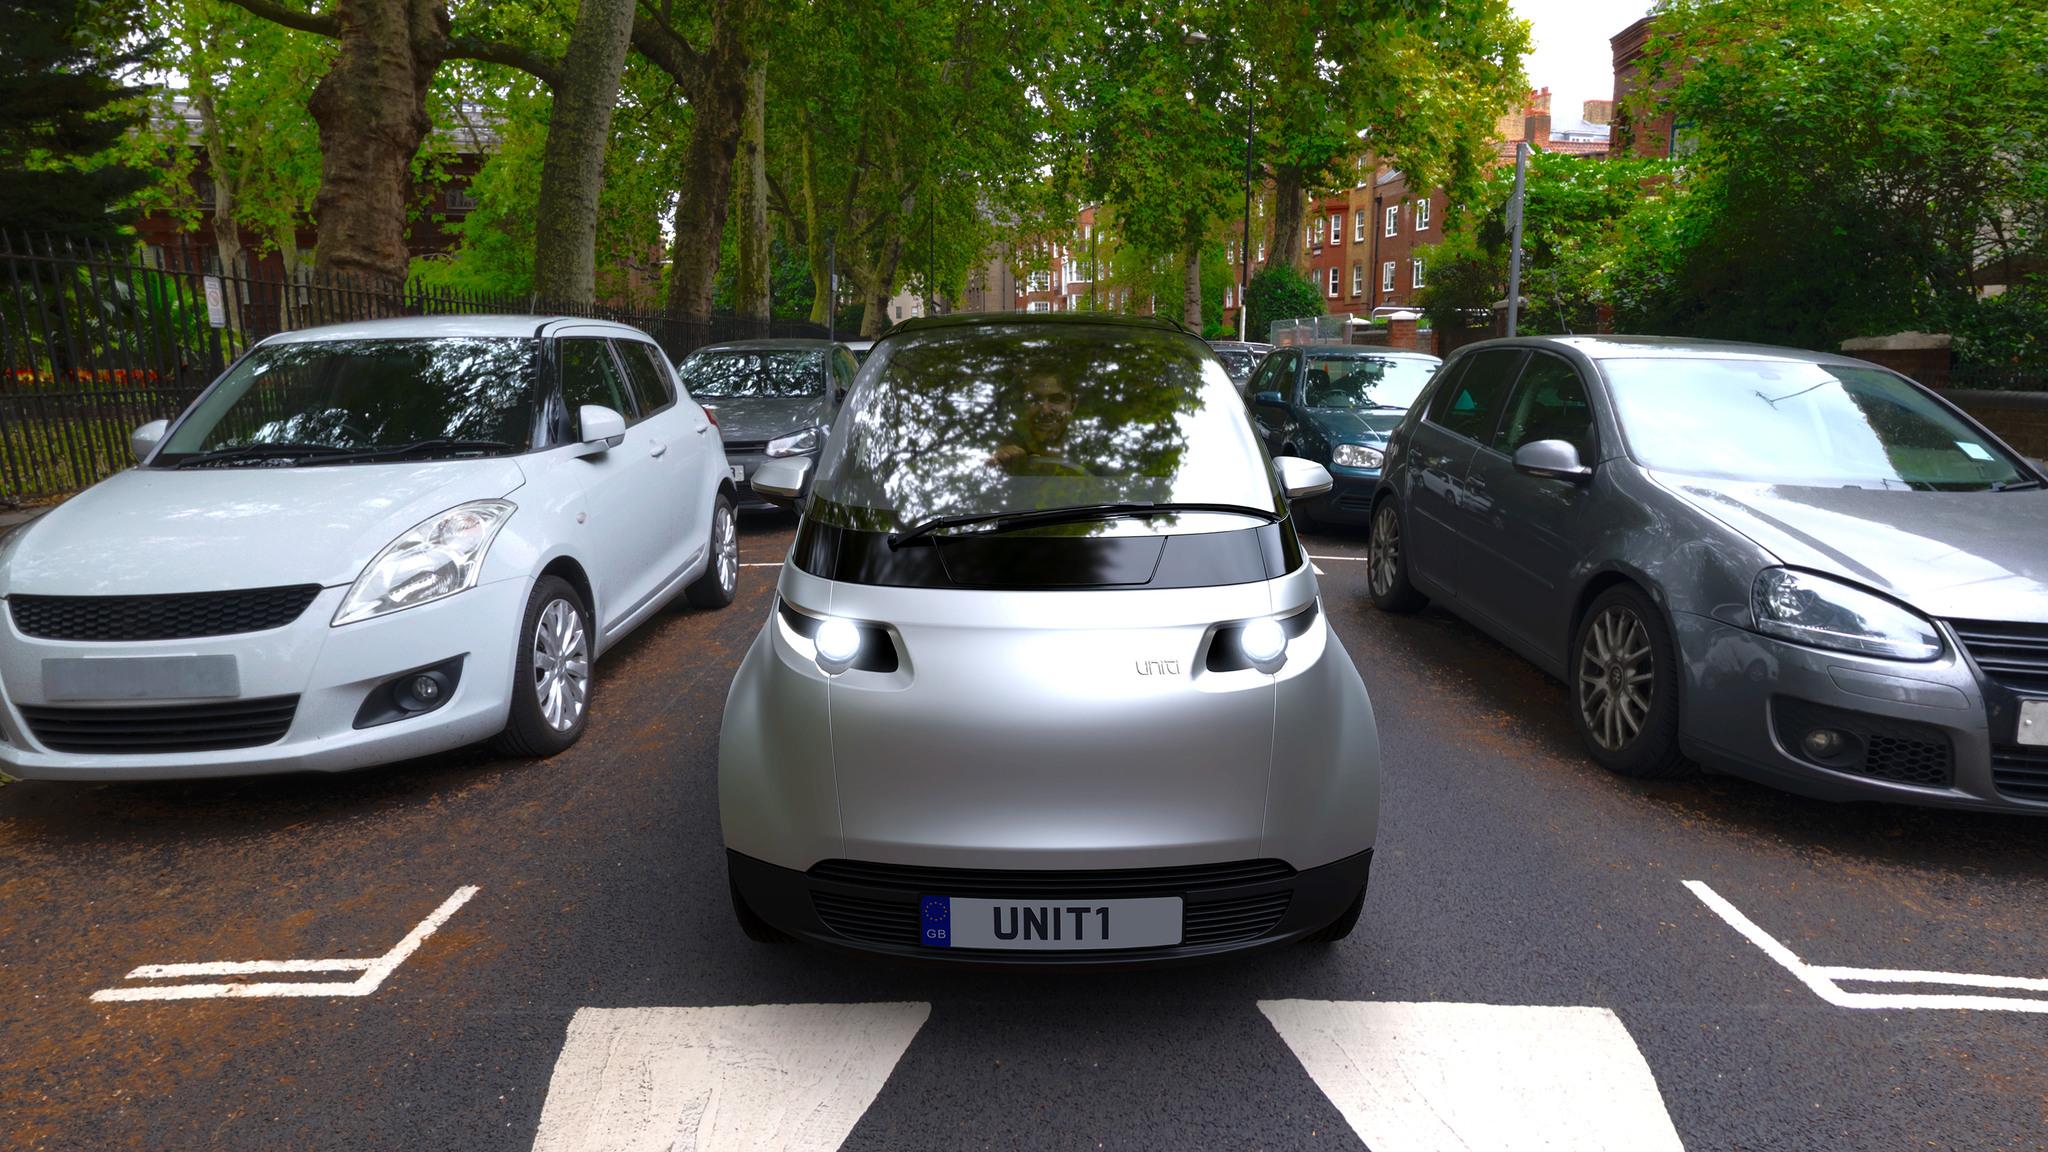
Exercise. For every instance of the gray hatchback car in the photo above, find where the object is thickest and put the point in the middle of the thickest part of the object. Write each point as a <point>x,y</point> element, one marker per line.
<point>1800,568</point>
<point>772,400</point>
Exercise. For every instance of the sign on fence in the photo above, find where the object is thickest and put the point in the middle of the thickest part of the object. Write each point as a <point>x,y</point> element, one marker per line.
<point>216,303</point>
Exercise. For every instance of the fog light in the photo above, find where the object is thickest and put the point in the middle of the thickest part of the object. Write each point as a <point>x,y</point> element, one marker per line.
<point>1822,743</point>
<point>1263,641</point>
<point>426,689</point>
<point>838,643</point>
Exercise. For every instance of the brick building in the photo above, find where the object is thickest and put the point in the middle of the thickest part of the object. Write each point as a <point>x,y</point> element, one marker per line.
<point>1654,138</point>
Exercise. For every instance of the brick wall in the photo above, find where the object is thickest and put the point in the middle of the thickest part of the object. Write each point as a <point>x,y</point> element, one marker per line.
<point>2019,418</point>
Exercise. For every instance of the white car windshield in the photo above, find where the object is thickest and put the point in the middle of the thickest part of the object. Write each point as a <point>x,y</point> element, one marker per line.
<point>1034,417</point>
<point>1797,423</point>
<point>350,401</point>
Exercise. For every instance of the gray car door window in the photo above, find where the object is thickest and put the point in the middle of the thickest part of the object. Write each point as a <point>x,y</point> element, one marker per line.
<point>644,376</point>
<point>1275,375</point>
<point>589,376</point>
<point>1463,408</point>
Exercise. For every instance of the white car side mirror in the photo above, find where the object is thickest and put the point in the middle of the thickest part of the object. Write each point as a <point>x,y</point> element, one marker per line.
<point>143,440</point>
<point>781,482</point>
<point>603,428</point>
<point>1301,478</point>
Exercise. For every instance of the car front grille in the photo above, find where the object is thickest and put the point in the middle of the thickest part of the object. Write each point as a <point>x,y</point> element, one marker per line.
<point>182,616</point>
<point>159,728</point>
<point>1228,921</point>
<point>2020,772</point>
<point>2014,655</point>
<point>1879,747</point>
<point>745,447</point>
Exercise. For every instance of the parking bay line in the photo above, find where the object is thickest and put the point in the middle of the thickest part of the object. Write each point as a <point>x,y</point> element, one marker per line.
<point>374,971</point>
<point>767,1077</point>
<point>1441,1077</point>
<point>1825,980</point>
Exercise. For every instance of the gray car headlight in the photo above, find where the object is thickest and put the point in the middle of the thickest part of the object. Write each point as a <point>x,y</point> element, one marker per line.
<point>1357,456</point>
<point>436,558</point>
<point>794,444</point>
<point>1825,613</point>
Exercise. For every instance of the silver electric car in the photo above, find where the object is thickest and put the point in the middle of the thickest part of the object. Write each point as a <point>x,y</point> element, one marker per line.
<point>1046,679</point>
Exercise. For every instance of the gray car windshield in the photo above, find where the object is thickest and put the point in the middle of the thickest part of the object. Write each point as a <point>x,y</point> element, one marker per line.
<point>1240,363</point>
<point>734,374</point>
<point>352,401</point>
<point>1795,423</point>
<point>1364,382</point>
<point>1027,417</point>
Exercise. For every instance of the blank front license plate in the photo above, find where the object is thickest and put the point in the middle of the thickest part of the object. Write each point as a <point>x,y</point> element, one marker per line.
<point>739,473</point>
<point>2034,722</point>
<point>1050,925</point>
<point>140,678</point>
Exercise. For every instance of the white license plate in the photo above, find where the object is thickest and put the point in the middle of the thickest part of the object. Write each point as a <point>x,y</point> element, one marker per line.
<point>1050,925</point>
<point>739,473</point>
<point>140,678</point>
<point>2034,722</point>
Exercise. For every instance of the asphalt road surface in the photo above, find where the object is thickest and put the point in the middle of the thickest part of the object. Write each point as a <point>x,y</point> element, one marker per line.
<point>1511,873</point>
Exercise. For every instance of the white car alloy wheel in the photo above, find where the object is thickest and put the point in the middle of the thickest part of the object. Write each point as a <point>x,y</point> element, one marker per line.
<point>725,539</point>
<point>1617,678</point>
<point>561,665</point>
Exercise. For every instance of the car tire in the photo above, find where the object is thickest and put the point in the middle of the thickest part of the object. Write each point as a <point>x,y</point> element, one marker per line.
<point>1623,680</point>
<point>756,929</point>
<point>1386,569</point>
<point>1341,927</point>
<point>552,673</point>
<point>721,578</point>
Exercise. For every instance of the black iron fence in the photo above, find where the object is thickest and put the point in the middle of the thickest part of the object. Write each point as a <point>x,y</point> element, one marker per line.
<point>96,340</point>
<point>1997,378</point>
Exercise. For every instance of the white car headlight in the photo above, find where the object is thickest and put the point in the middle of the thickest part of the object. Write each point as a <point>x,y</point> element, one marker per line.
<point>1357,456</point>
<point>437,557</point>
<point>794,444</point>
<point>1825,613</point>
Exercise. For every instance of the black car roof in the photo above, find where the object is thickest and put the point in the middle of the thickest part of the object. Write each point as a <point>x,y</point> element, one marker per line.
<point>977,319</point>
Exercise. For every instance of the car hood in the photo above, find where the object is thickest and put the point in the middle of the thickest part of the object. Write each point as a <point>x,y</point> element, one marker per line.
<point>1346,427</point>
<point>742,418</point>
<point>1965,555</point>
<point>151,530</point>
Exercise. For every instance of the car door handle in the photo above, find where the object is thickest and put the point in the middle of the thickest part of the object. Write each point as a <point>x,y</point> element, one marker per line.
<point>703,428</point>
<point>659,450</point>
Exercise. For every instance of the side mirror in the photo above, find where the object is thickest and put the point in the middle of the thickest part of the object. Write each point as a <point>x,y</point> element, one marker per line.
<point>1552,460</point>
<point>603,428</point>
<point>1270,399</point>
<point>781,482</point>
<point>143,440</point>
<point>1301,478</point>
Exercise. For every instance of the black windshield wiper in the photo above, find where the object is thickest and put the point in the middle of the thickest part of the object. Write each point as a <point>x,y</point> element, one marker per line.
<point>437,444</point>
<point>257,452</point>
<point>1079,513</point>
<point>2015,485</point>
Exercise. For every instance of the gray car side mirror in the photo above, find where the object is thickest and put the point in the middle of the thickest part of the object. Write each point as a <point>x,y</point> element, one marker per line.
<point>1270,399</point>
<point>1301,478</point>
<point>1552,460</point>
<point>781,482</point>
<point>603,428</point>
<point>143,440</point>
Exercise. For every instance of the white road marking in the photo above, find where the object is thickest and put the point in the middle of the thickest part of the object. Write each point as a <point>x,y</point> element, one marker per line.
<point>374,970</point>
<point>1318,568</point>
<point>1360,559</point>
<point>764,1078</point>
<point>1825,980</point>
<point>1460,1077</point>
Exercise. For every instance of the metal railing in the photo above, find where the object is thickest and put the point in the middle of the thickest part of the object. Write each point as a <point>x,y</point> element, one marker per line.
<point>95,340</point>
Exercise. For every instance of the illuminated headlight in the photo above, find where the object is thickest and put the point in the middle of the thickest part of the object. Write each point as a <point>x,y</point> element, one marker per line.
<point>1263,640</point>
<point>437,557</point>
<point>795,444</point>
<point>1825,613</point>
<point>1357,456</point>
<point>838,643</point>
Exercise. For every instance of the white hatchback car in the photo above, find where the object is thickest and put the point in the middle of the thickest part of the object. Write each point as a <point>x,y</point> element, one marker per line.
<point>361,544</point>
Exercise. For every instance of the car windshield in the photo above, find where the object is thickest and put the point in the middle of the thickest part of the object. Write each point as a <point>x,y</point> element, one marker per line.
<point>1028,417</point>
<point>1354,382</point>
<point>1781,422</point>
<point>351,399</point>
<point>754,373</point>
<point>1240,363</point>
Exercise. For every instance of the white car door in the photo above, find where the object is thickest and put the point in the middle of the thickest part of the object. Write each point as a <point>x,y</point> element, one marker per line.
<point>689,475</point>
<point>629,505</point>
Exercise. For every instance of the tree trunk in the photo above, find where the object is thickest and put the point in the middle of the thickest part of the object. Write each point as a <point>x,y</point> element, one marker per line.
<point>882,284</point>
<point>1287,200</point>
<point>751,282</point>
<point>371,112</point>
<point>227,226</point>
<point>716,101</point>
<point>1191,305</point>
<point>572,166</point>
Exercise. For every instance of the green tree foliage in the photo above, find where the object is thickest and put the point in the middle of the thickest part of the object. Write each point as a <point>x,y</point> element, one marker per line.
<point>67,114</point>
<point>1279,292</point>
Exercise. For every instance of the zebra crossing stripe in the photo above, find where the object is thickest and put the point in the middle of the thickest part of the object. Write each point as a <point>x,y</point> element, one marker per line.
<point>1457,1077</point>
<point>765,1078</point>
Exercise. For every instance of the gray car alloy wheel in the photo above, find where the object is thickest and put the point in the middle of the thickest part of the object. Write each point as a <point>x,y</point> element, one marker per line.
<point>561,665</point>
<point>725,541</point>
<point>1383,552</point>
<point>1617,677</point>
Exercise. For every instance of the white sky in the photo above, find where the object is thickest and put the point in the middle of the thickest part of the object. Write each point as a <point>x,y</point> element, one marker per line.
<point>1569,49</point>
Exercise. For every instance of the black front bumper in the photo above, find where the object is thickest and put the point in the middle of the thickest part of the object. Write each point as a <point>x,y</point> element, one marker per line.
<point>1226,908</point>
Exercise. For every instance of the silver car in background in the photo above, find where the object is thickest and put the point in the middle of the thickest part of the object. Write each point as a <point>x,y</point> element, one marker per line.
<point>772,399</point>
<point>1047,679</point>
<point>1796,567</point>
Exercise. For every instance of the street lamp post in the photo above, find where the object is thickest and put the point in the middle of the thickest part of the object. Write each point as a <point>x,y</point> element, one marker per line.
<point>1244,243</point>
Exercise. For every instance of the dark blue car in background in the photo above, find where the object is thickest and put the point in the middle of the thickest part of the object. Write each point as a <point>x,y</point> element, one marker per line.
<point>1335,404</point>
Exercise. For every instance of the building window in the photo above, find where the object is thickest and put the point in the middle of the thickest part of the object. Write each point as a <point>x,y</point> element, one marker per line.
<point>1336,227</point>
<point>1040,282</point>
<point>1039,306</point>
<point>1387,276</point>
<point>459,200</point>
<point>1358,278</point>
<point>896,312</point>
<point>1417,282</point>
<point>1422,215</point>
<point>1319,232</point>
<point>1262,251</point>
<point>1393,218</point>
<point>1358,226</point>
<point>1333,281</point>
